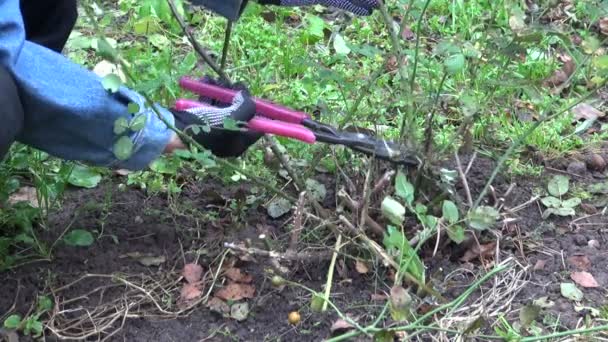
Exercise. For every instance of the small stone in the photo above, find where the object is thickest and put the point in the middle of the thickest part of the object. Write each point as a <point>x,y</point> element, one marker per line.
<point>593,244</point>
<point>580,240</point>
<point>595,162</point>
<point>577,168</point>
<point>139,220</point>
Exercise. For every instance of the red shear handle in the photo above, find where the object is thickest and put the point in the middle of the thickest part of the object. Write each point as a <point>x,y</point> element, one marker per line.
<point>262,125</point>
<point>263,107</point>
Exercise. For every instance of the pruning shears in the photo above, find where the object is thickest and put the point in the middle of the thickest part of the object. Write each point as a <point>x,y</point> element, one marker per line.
<point>282,121</point>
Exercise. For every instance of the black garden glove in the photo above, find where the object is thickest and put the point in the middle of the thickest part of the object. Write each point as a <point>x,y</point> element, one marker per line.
<point>206,124</point>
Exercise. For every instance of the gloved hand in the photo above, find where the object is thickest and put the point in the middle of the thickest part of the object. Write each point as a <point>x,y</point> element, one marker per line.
<point>358,7</point>
<point>222,142</point>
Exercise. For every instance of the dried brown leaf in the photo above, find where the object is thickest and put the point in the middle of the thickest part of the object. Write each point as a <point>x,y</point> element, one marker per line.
<point>361,267</point>
<point>584,279</point>
<point>540,264</point>
<point>218,305</point>
<point>584,111</point>
<point>580,262</point>
<point>485,250</point>
<point>236,275</point>
<point>235,291</point>
<point>340,325</point>
<point>190,292</point>
<point>561,75</point>
<point>192,273</point>
<point>25,194</point>
<point>604,26</point>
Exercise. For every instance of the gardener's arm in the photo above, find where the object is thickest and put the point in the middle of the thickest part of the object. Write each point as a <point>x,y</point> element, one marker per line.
<point>67,112</point>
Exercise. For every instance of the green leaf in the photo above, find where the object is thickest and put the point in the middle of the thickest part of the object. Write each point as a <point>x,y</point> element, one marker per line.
<point>570,291</point>
<point>340,45</point>
<point>456,234</point>
<point>159,41</point>
<point>278,207</point>
<point>601,62</point>
<point>239,311</point>
<point>79,238</point>
<point>123,148</point>
<point>132,108</point>
<point>315,26</point>
<point>164,165</point>
<point>316,303</point>
<point>528,314</point>
<point>591,44</point>
<point>12,322</point>
<point>120,125</point>
<point>111,83</point>
<point>454,64</point>
<point>105,50</point>
<point>44,304</point>
<point>551,202</point>
<point>400,304</point>
<point>138,122</point>
<point>230,124</point>
<point>483,217</point>
<point>84,177</point>
<point>146,26</point>
<point>571,203</point>
<point>395,241</point>
<point>384,336</point>
<point>32,325</point>
<point>393,210</point>
<point>403,188</point>
<point>316,189</point>
<point>450,212</point>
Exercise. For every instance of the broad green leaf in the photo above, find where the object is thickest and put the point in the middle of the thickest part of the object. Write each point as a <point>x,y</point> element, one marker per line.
<point>12,322</point>
<point>316,189</point>
<point>591,44</point>
<point>84,177</point>
<point>601,62</point>
<point>164,165</point>
<point>528,314</point>
<point>483,217</point>
<point>79,238</point>
<point>278,207</point>
<point>450,212</point>
<point>393,210</point>
<point>138,122</point>
<point>558,185</point>
<point>570,291</point>
<point>551,202</point>
<point>400,304</point>
<point>315,26</point>
<point>104,49</point>
<point>384,336</point>
<point>456,234</point>
<point>111,83</point>
<point>230,124</point>
<point>44,304</point>
<point>454,64</point>
<point>395,241</point>
<point>146,26</point>
<point>403,188</point>
<point>340,45</point>
<point>132,108</point>
<point>571,203</point>
<point>33,325</point>
<point>123,148</point>
<point>121,125</point>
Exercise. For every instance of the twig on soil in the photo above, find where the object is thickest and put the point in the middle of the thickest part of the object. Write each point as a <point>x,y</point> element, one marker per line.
<point>463,178</point>
<point>290,256</point>
<point>353,205</point>
<point>383,182</point>
<point>297,223</point>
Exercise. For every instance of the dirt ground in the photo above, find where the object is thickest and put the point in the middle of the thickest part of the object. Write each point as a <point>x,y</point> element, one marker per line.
<point>194,230</point>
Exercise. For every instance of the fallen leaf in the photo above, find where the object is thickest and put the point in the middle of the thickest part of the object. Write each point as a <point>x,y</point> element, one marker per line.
<point>485,250</point>
<point>570,291</point>
<point>407,34</point>
<point>584,279</point>
<point>192,273</point>
<point>105,68</point>
<point>235,291</point>
<point>540,264</point>
<point>236,275</point>
<point>378,297</point>
<point>604,26</point>
<point>361,267</point>
<point>25,194</point>
<point>217,305</point>
<point>340,325</point>
<point>528,314</point>
<point>190,292</point>
<point>560,76</point>
<point>544,302</point>
<point>151,260</point>
<point>580,262</point>
<point>584,111</point>
<point>239,311</point>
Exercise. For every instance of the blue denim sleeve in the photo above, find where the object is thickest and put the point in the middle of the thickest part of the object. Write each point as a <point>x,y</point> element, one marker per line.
<point>68,113</point>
